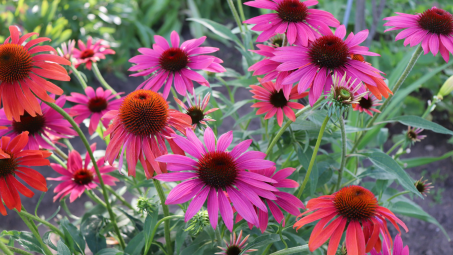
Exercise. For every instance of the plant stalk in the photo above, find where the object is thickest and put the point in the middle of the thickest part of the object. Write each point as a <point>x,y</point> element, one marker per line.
<point>313,156</point>
<point>34,229</point>
<point>161,194</point>
<point>120,198</point>
<point>102,81</point>
<point>79,77</point>
<point>397,195</point>
<point>168,218</point>
<point>44,222</point>
<point>18,251</point>
<point>5,249</point>
<point>235,15</point>
<point>417,53</point>
<point>93,160</point>
<point>394,146</point>
<point>344,142</point>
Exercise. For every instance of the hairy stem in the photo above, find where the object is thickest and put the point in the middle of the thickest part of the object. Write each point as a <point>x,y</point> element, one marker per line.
<point>44,222</point>
<point>5,249</point>
<point>161,194</point>
<point>34,229</point>
<point>93,160</point>
<point>343,152</point>
<point>102,81</point>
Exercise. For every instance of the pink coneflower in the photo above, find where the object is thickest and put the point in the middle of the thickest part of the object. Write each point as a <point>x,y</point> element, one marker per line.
<point>90,53</point>
<point>398,248</point>
<point>94,104</point>
<point>22,68</point>
<point>178,62</point>
<point>216,173</point>
<point>433,29</point>
<point>49,123</point>
<point>269,68</point>
<point>355,207</point>
<point>78,177</point>
<point>15,163</point>
<point>366,104</point>
<point>344,91</point>
<point>293,18</point>
<point>140,126</point>
<point>423,186</point>
<point>196,110</point>
<point>274,102</point>
<point>286,201</point>
<point>236,245</point>
<point>413,134</point>
<point>324,57</point>
<point>66,49</point>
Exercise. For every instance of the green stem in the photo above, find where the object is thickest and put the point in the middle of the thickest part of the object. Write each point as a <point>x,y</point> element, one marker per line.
<point>55,148</point>
<point>102,81</point>
<point>120,198</point>
<point>79,77</point>
<point>17,250</point>
<point>343,152</point>
<point>58,160</point>
<point>228,88</point>
<point>44,222</point>
<point>218,237</point>
<point>93,160</point>
<point>5,249</point>
<point>313,156</point>
<point>235,15</point>
<point>397,195</point>
<point>69,144</point>
<point>95,198</point>
<point>394,146</point>
<point>161,194</point>
<point>153,233</point>
<point>241,11</point>
<point>417,53</point>
<point>32,226</point>
<point>268,247</point>
<point>288,123</point>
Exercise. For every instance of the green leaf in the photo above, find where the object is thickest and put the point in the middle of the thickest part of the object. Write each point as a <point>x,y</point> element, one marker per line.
<point>135,246</point>
<point>150,223</point>
<point>414,162</point>
<point>91,227</point>
<point>415,121</point>
<point>304,159</point>
<point>217,29</point>
<point>110,251</point>
<point>73,237</point>
<point>28,241</point>
<point>387,163</point>
<point>62,248</point>
<point>46,238</point>
<point>261,241</point>
<point>235,107</point>
<point>293,250</point>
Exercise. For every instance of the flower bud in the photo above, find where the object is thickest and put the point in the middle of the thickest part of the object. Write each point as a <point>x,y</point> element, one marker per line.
<point>446,89</point>
<point>198,222</point>
<point>145,205</point>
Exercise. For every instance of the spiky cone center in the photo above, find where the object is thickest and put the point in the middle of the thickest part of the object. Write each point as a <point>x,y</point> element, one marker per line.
<point>29,123</point>
<point>366,103</point>
<point>329,52</point>
<point>233,250</point>
<point>97,104</point>
<point>88,53</point>
<point>436,21</point>
<point>83,176</point>
<point>196,114</point>
<point>412,135</point>
<point>144,113</point>
<point>277,41</point>
<point>217,169</point>
<point>420,186</point>
<point>7,165</point>
<point>278,99</point>
<point>343,95</point>
<point>15,63</point>
<point>292,11</point>
<point>355,203</point>
<point>173,59</point>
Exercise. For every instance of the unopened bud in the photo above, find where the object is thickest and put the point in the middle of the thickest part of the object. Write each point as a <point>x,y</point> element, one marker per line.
<point>446,89</point>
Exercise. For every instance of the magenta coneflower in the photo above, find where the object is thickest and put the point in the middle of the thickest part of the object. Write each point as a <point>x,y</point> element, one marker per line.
<point>324,57</point>
<point>90,53</point>
<point>169,62</point>
<point>398,248</point>
<point>22,68</point>
<point>216,175</point>
<point>236,245</point>
<point>344,91</point>
<point>367,103</point>
<point>78,177</point>
<point>196,110</point>
<point>276,199</point>
<point>413,134</point>
<point>94,104</point>
<point>50,123</point>
<point>433,29</point>
<point>15,163</point>
<point>269,68</point>
<point>351,208</point>
<point>140,127</point>
<point>293,18</point>
<point>274,102</point>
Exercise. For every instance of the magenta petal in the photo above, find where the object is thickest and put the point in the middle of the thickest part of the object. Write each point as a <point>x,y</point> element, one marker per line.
<point>209,139</point>
<point>174,177</point>
<point>243,207</point>
<point>196,203</point>
<point>225,210</point>
<point>177,159</point>
<point>224,141</point>
<point>213,208</point>
<point>240,148</point>
<point>255,164</point>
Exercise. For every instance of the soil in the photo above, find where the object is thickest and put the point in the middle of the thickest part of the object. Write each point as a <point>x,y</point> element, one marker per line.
<point>422,238</point>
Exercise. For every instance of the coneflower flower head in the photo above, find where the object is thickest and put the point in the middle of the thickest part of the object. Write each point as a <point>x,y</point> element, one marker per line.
<point>196,109</point>
<point>236,245</point>
<point>343,93</point>
<point>198,222</point>
<point>66,49</point>
<point>413,134</point>
<point>366,104</point>
<point>423,186</point>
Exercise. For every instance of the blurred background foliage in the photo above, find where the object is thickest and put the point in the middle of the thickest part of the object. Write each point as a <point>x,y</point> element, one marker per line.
<point>130,24</point>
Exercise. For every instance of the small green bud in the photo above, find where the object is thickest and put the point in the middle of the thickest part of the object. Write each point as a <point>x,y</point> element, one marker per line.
<point>198,222</point>
<point>446,89</point>
<point>145,205</point>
